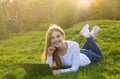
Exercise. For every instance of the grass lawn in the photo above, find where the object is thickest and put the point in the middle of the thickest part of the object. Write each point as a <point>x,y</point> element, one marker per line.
<point>28,47</point>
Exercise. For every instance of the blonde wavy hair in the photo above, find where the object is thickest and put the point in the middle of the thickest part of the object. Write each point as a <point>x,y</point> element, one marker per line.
<point>56,59</point>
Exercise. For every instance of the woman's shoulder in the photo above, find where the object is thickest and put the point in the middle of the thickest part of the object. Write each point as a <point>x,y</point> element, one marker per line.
<point>72,42</point>
<point>72,45</point>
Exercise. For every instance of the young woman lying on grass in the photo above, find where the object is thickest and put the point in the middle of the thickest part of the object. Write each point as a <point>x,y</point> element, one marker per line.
<point>65,55</point>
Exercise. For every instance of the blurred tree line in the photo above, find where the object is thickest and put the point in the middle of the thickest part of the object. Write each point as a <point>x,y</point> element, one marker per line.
<point>18,16</point>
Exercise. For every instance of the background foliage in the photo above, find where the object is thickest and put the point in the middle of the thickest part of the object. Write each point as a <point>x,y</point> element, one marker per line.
<point>18,16</point>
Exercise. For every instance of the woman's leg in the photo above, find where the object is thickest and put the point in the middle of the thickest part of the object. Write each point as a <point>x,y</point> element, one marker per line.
<point>91,55</point>
<point>91,50</point>
<point>91,45</point>
<point>86,46</point>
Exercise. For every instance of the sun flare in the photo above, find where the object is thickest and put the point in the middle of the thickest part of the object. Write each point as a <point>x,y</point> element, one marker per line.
<point>84,3</point>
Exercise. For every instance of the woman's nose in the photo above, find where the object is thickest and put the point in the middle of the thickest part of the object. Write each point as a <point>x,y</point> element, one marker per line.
<point>56,39</point>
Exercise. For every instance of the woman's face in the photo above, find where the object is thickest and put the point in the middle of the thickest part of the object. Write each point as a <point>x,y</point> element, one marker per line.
<point>57,39</point>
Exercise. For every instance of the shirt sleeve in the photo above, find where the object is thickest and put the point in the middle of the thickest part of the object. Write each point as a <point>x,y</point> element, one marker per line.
<point>49,61</point>
<point>75,60</point>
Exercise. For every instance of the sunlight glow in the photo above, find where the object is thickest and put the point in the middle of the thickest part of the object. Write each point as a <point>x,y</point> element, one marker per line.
<point>11,1</point>
<point>84,3</point>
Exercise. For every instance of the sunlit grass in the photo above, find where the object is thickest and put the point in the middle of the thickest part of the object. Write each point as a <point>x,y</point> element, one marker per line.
<point>28,47</point>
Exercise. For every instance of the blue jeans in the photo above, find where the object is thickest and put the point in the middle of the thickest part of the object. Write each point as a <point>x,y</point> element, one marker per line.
<point>91,50</point>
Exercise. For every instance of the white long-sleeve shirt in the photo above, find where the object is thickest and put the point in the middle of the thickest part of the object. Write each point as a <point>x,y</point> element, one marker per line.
<point>72,58</point>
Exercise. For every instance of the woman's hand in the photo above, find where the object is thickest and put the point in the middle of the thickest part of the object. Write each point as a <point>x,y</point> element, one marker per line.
<point>51,50</point>
<point>57,72</point>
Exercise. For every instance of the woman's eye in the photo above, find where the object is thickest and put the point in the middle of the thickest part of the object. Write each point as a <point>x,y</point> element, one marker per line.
<point>58,36</point>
